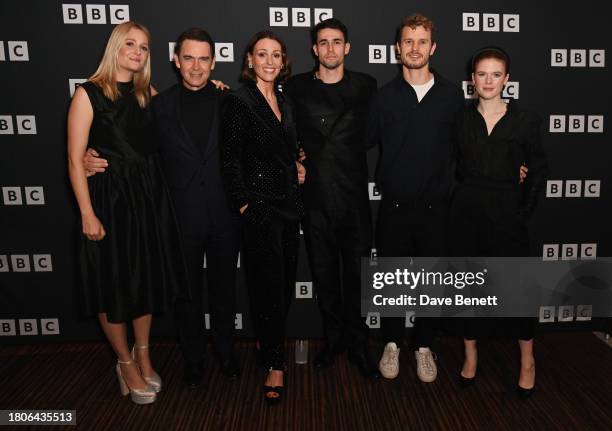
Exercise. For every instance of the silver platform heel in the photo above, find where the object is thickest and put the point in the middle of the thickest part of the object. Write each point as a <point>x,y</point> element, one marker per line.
<point>154,381</point>
<point>138,396</point>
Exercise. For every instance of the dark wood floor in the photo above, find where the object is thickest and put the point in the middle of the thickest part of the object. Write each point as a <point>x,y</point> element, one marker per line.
<point>574,377</point>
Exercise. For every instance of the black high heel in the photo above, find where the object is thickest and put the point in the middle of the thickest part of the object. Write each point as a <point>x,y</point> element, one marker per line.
<point>523,393</point>
<point>275,361</point>
<point>466,382</point>
<point>278,390</point>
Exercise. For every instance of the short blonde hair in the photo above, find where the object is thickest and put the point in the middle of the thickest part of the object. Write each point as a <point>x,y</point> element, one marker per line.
<point>413,21</point>
<point>104,77</point>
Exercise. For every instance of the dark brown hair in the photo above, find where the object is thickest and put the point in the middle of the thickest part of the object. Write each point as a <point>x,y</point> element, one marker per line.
<point>333,23</point>
<point>248,74</point>
<point>413,21</point>
<point>491,52</point>
<point>194,33</point>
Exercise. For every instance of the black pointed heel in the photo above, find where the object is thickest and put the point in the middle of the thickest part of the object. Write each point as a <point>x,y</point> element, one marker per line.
<point>278,390</point>
<point>466,382</point>
<point>524,393</point>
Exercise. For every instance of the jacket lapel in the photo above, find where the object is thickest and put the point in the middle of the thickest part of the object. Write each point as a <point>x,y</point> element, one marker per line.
<point>262,110</point>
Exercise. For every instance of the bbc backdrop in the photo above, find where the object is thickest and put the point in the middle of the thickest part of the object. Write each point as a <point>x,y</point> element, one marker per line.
<point>559,70</point>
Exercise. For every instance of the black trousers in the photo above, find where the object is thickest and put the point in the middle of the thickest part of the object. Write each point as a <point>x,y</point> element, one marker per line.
<point>485,221</point>
<point>221,247</point>
<point>417,228</point>
<point>270,257</point>
<point>337,237</point>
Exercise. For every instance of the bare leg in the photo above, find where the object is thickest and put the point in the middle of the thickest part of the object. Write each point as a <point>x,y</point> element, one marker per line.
<point>527,376</point>
<point>115,333</point>
<point>142,329</point>
<point>471,359</point>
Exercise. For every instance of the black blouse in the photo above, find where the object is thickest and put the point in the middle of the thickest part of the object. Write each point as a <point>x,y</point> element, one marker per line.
<point>514,141</point>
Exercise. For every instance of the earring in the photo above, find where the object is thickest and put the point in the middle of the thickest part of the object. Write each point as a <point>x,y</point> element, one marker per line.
<point>282,65</point>
<point>250,66</point>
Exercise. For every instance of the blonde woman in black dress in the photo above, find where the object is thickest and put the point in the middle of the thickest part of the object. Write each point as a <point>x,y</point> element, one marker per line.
<point>130,258</point>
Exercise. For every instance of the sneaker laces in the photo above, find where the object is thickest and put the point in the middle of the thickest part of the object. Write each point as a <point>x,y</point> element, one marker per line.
<point>390,355</point>
<point>426,360</point>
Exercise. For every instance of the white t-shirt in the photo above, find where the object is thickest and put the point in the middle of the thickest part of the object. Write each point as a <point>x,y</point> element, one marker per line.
<point>421,90</point>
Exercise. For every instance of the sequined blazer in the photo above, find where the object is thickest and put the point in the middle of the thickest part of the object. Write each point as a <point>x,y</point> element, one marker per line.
<point>258,154</point>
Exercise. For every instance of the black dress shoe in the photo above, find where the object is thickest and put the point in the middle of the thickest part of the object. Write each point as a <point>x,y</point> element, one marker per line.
<point>364,364</point>
<point>324,359</point>
<point>230,368</point>
<point>194,372</point>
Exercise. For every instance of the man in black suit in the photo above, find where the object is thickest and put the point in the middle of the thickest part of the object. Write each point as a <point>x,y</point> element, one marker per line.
<point>186,118</point>
<point>331,106</point>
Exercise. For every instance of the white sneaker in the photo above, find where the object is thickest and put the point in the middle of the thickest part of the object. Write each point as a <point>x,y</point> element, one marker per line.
<point>426,365</point>
<point>389,362</point>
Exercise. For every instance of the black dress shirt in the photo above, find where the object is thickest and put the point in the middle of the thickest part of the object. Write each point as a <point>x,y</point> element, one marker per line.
<point>331,120</point>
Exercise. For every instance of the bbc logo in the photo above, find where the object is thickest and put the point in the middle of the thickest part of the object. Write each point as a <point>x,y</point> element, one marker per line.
<point>16,50</point>
<point>8,327</point>
<point>25,125</point>
<point>237,321</point>
<point>566,313</point>
<point>374,192</point>
<point>373,320</point>
<point>33,195</point>
<point>377,54</point>
<point>409,322</point>
<point>573,188</point>
<point>303,290</point>
<point>300,16</point>
<point>552,252</point>
<point>224,51</point>
<point>509,23</point>
<point>578,57</point>
<point>95,13</point>
<point>22,263</point>
<point>510,91</point>
<point>576,123</point>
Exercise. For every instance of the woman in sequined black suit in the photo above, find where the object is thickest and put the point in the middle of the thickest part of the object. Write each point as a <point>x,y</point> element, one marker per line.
<point>261,174</point>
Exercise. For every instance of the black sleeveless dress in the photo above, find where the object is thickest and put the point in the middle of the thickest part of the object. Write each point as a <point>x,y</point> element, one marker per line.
<point>138,267</point>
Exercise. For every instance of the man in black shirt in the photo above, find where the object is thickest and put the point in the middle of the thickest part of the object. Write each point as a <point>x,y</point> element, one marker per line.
<point>186,118</point>
<point>331,110</point>
<point>412,120</point>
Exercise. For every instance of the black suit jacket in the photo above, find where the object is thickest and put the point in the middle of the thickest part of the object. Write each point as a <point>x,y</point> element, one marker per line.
<point>194,179</point>
<point>258,153</point>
